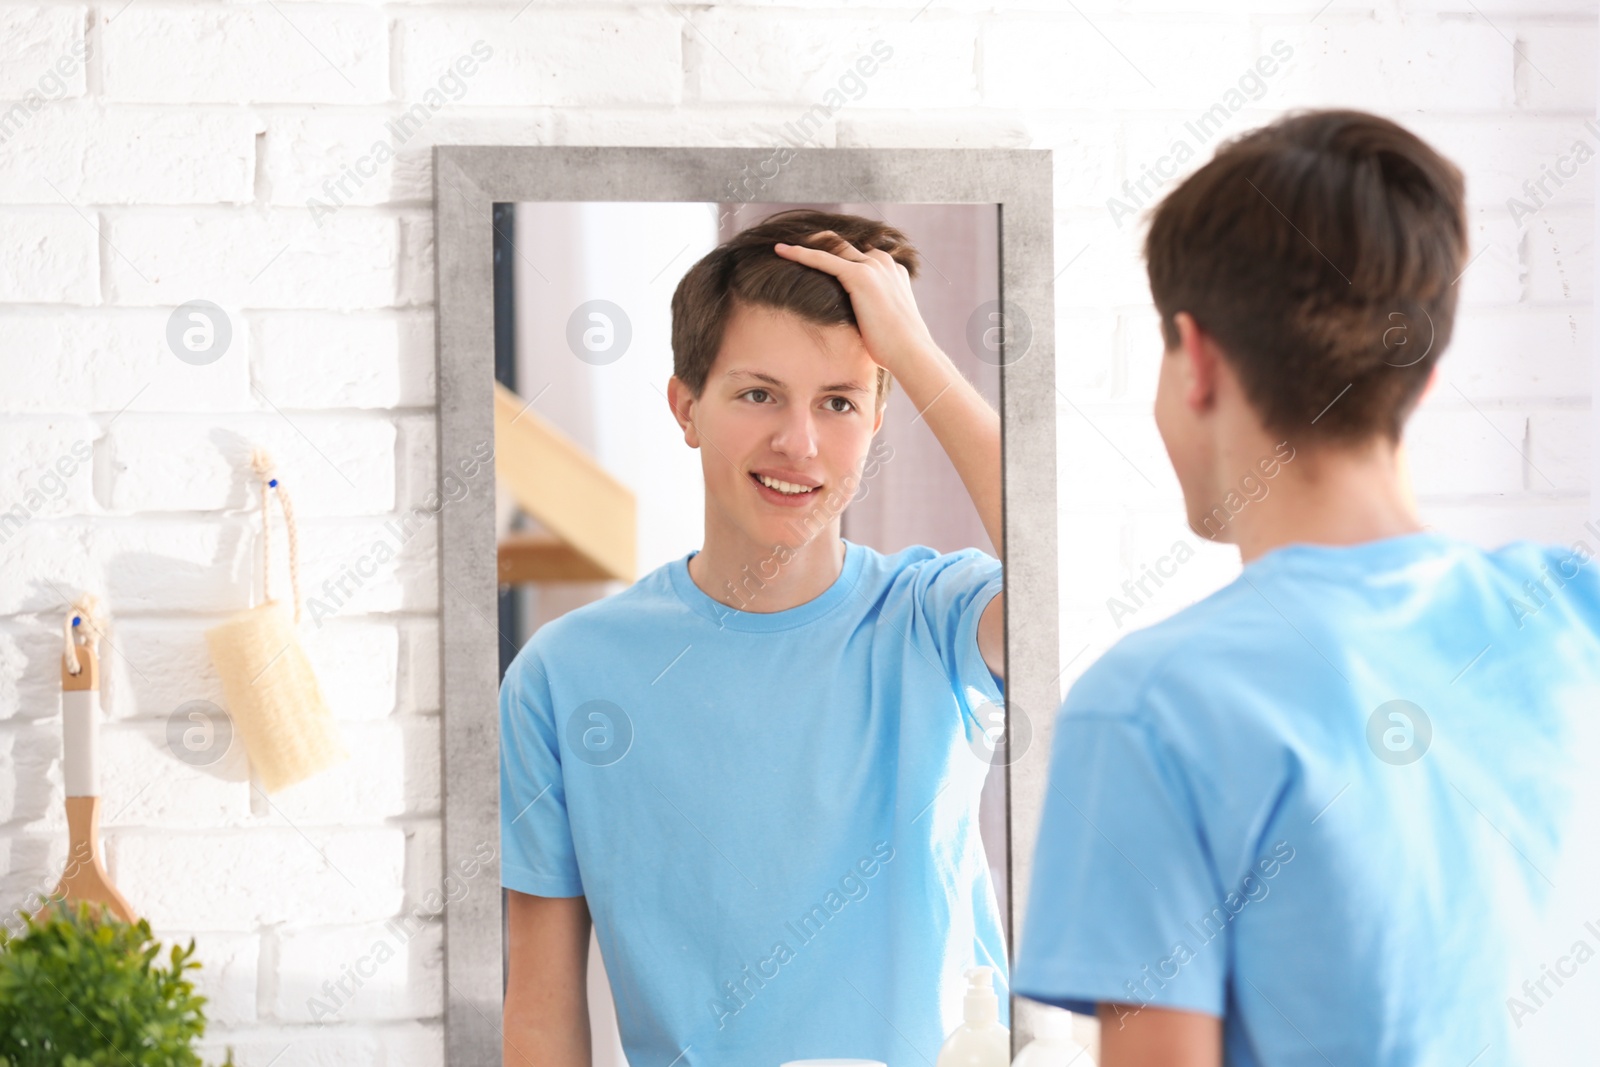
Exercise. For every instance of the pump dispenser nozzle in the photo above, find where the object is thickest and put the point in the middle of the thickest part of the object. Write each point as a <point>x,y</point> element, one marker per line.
<point>980,1041</point>
<point>981,1005</point>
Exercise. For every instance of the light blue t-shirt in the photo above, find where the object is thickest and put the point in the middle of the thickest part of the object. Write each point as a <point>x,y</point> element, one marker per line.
<point>772,816</point>
<point>1324,803</point>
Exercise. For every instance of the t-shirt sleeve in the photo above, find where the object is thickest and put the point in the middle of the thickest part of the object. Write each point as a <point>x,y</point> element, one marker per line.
<point>535,837</point>
<point>952,592</point>
<point>1122,882</point>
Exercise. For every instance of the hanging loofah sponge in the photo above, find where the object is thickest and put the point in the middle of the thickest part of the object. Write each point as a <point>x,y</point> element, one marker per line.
<point>273,696</point>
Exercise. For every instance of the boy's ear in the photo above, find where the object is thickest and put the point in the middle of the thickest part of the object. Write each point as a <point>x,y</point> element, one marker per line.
<point>682,402</point>
<point>1201,363</point>
<point>877,422</point>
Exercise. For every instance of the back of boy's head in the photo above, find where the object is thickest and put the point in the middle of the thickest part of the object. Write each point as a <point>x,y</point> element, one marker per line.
<point>1320,252</point>
<point>745,270</point>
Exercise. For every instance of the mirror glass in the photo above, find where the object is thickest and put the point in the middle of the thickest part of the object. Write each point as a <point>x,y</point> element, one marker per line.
<point>763,808</point>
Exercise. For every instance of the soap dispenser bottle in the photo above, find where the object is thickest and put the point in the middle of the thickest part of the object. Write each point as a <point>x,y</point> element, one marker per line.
<point>980,1041</point>
<point>1053,1044</point>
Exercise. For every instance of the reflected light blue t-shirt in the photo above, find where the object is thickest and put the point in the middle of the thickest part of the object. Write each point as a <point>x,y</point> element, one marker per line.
<point>772,816</point>
<point>1330,804</point>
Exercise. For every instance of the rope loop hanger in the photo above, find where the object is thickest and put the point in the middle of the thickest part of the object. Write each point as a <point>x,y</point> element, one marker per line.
<point>84,621</point>
<point>265,470</point>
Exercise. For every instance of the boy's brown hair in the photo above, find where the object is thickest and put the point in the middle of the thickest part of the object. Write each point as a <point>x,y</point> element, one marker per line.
<point>1321,252</point>
<point>744,269</point>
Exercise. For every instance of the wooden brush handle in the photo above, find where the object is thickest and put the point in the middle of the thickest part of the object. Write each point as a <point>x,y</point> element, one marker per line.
<point>85,875</point>
<point>80,724</point>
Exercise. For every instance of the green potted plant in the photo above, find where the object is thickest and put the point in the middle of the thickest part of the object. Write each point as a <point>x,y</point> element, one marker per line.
<point>81,988</point>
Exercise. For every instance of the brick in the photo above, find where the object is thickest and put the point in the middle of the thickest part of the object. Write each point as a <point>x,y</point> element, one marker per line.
<point>1494,273</point>
<point>1099,265</point>
<point>393,770</point>
<point>357,666</point>
<point>1085,155</point>
<point>1065,62</point>
<point>30,779</point>
<point>1500,154</point>
<point>41,556</point>
<point>1397,66</point>
<point>1560,248</point>
<point>145,783</point>
<point>413,1045</point>
<point>1562,449</point>
<point>30,686</point>
<point>1117,454</point>
<point>1140,348</point>
<point>250,53</point>
<point>111,360</point>
<point>96,155</point>
<point>330,465</point>
<point>415,285</point>
<point>48,466</point>
<point>419,663</point>
<point>333,552</point>
<point>345,361</point>
<point>1555,66</point>
<point>152,564</point>
<point>276,259</point>
<point>239,879</point>
<point>49,255</point>
<point>542,57</point>
<point>755,127</point>
<point>389,970</point>
<point>1542,352</point>
<point>157,667</point>
<point>419,459</point>
<point>819,67</point>
<point>373,159</point>
<point>949,129</point>
<point>1092,372</point>
<point>45,54</point>
<point>227,978</point>
<point>424,861</point>
<point>30,869</point>
<point>1453,449</point>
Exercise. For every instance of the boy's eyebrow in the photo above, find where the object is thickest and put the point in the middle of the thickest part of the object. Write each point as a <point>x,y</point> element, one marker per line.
<point>838,387</point>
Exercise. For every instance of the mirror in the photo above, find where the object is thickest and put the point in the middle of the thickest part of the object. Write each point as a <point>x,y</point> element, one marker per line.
<point>671,716</point>
<point>759,739</point>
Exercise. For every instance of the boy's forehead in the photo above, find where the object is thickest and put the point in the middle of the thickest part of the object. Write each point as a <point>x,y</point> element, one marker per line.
<point>773,346</point>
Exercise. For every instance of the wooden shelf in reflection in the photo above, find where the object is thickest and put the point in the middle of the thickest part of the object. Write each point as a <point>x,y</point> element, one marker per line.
<point>591,517</point>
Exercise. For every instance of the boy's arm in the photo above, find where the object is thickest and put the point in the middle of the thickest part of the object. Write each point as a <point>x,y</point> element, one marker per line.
<point>967,428</point>
<point>1131,1036</point>
<point>546,1013</point>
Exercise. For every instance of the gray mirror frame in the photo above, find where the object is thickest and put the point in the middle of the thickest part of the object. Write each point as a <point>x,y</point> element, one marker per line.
<point>468,181</point>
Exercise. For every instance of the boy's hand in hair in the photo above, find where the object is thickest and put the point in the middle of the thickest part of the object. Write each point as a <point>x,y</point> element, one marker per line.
<point>891,327</point>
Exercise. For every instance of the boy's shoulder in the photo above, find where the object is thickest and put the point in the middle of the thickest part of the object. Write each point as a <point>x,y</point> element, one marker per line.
<point>1261,616</point>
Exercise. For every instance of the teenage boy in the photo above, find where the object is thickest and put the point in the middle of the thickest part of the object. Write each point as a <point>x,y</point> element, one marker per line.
<point>757,769</point>
<point>1299,821</point>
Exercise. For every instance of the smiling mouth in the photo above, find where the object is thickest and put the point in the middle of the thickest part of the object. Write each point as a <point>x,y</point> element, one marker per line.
<point>786,488</point>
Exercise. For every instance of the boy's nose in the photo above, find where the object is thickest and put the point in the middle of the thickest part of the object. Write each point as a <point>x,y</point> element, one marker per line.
<point>796,436</point>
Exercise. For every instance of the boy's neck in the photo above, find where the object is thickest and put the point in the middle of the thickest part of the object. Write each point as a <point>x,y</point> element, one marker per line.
<point>762,578</point>
<point>1330,496</point>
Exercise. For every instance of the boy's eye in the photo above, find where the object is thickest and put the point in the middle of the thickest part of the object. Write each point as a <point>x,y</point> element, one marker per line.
<point>753,392</point>
<point>848,405</point>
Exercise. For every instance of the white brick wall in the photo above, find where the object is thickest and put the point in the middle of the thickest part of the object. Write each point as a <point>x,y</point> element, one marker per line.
<point>156,153</point>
